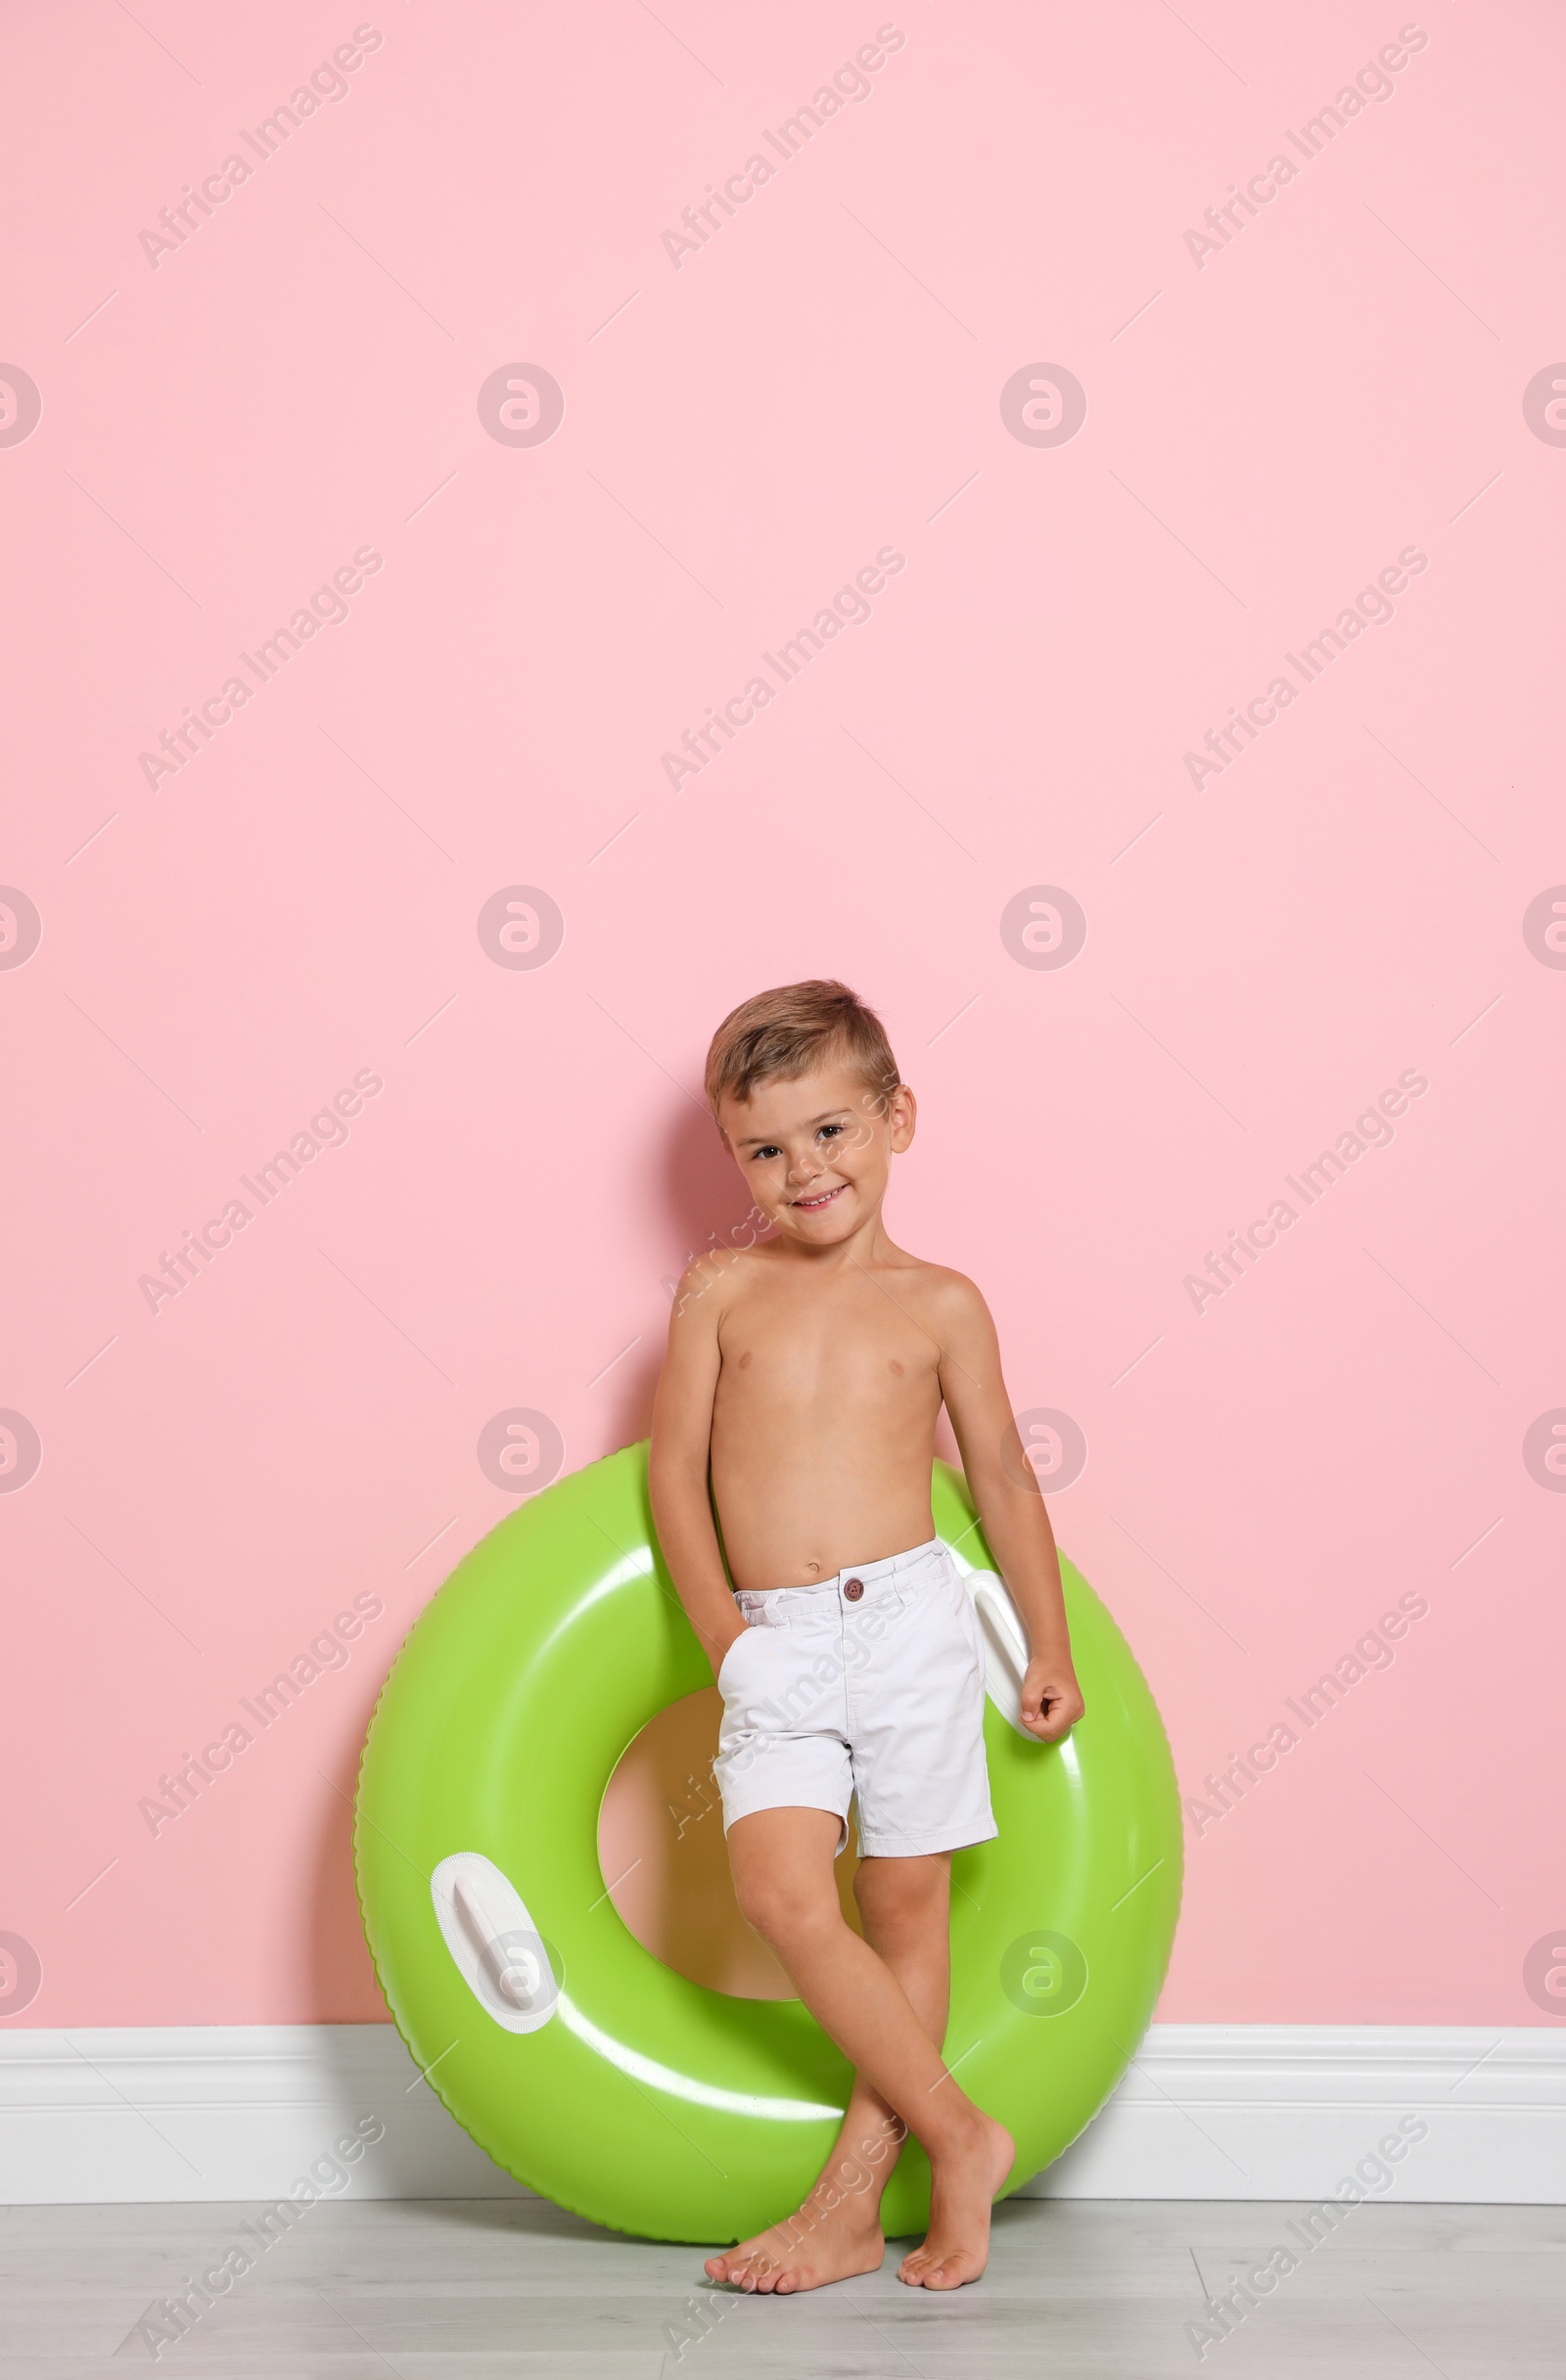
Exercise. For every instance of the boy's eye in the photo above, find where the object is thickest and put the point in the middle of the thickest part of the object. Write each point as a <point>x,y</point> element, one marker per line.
<point>769,1151</point>
<point>828,1131</point>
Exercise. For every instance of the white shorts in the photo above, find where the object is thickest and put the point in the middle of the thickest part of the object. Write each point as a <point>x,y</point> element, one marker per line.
<point>871,1684</point>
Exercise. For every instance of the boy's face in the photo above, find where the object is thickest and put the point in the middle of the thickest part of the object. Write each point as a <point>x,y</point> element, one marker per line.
<point>815,1152</point>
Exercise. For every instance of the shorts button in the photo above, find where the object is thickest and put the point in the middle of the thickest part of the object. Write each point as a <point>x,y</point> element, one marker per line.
<point>853,1590</point>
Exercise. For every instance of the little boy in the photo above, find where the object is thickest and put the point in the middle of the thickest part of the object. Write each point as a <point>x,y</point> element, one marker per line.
<point>804,1379</point>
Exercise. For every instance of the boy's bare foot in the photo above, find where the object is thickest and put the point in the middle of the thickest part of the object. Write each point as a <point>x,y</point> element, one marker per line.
<point>817,2245</point>
<point>962,2188</point>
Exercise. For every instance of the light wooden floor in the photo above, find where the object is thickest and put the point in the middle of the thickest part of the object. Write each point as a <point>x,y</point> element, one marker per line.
<point>491,2289</point>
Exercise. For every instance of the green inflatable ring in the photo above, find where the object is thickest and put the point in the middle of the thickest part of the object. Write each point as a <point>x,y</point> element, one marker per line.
<point>580,2063</point>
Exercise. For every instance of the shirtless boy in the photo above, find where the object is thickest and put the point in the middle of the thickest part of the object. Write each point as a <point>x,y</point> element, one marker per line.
<point>800,1394</point>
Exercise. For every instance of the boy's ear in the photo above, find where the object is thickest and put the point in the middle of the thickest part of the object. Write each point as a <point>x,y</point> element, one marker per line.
<point>902,1116</point>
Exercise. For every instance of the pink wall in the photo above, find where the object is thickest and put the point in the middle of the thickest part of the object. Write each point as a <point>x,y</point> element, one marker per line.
<point>1271,422</point>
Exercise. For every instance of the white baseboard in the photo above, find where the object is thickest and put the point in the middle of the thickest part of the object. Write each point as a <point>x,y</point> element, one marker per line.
<point>1288,2110</point>
<point>192,2112</point>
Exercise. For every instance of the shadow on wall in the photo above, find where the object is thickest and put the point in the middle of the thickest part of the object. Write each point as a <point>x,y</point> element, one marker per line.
<point>703,1206</point>
<point>342,1985</point>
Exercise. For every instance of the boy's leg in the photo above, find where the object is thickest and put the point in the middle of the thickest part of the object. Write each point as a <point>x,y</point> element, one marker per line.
<point>905,1910</point>
<point>904,1907</point>
<point>783,1874</point>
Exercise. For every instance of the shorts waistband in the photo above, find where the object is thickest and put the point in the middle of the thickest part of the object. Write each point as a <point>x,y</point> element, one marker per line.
<point>876,1579</point>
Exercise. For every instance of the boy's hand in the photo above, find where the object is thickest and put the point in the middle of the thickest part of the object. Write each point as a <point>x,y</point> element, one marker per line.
<point>1051,1699</point>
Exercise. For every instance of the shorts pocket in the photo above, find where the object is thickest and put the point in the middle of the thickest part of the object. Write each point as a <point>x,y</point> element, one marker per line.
<point>726,1667</point>
<point>968,1620</point>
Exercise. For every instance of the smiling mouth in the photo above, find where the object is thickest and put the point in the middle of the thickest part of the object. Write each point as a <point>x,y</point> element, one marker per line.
<point>821,1198</point>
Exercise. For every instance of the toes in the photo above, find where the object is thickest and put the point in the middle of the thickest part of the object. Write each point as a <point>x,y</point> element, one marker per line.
<point>927,2268</point>
<point>950,2273</point>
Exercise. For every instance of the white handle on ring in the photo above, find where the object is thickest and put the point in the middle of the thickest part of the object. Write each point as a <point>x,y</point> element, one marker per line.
<point>515,1971</point>
<point>1005,1646</point>
<point>495,1944</point>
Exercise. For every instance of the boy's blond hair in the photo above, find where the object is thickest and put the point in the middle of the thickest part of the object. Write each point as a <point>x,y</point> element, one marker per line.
<point>779,1035</point>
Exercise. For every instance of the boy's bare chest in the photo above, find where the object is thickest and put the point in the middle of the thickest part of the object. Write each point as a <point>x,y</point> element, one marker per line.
<point>862,1345</point>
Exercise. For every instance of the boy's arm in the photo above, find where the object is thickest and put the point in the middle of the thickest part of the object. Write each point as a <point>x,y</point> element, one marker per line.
<point>678,1467</point>
<point>1011,1507</point>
